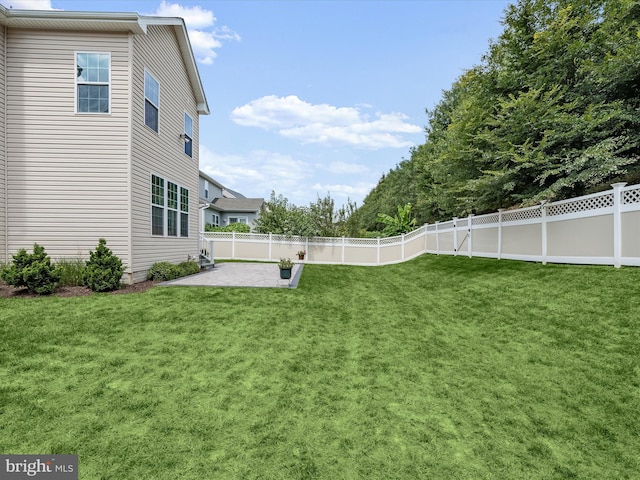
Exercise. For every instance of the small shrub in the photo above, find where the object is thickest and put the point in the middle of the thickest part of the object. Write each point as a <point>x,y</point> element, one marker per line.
<point>232,227</point>
<point>163,271</point>
<point>188,268</point>
<point>33,271</point>
<point>103,270</point>
<point>71,271</point>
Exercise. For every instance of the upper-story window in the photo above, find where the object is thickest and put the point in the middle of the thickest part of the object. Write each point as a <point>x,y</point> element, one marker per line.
<point>188,135</point>
<point>151,101</point>
<point>206,189</point>
<point>93,78</point>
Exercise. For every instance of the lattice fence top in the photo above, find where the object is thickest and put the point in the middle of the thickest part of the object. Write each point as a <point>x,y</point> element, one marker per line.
<point>219,235</point>
<point>390,240</point>
<point>326,240</point>
<point>362,241</point>
<point>443,225</point>
<point>414,233</point>
<point>486,219</point>
<point>462,222</point>
<point>259,236</point>
<point>522,214</point>
<point>581,204</point>
<point>631,196</point>
<point>431,227</point>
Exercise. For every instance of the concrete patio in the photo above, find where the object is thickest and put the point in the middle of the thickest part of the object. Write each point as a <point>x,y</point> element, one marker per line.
<point>240,274</point>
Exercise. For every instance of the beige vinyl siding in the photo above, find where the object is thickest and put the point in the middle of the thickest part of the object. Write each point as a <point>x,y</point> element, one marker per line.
<point>161,153</point>
<point>3,224</point>
<point>68,173</point>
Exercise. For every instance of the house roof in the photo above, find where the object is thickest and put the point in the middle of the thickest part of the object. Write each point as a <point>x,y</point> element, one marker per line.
<point>111,22</point>
<point>211,180</point>
<point>237,204</point>
<point>233,193</point>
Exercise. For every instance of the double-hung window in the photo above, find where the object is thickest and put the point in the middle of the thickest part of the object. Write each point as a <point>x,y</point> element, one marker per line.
<point>93,78</point>
<point>172,210</point>
<point>169,208</point>
<point>151,101</point>
<point>184,212</point>
<point>157,205</point>
<point>188,135</point>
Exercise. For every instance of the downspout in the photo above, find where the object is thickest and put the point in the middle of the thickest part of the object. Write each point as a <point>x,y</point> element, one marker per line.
<point>202,218</point>
<point>4,147</point>
<point>130,267</point>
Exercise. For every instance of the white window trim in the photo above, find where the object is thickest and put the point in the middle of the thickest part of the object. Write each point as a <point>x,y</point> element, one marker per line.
<point>246,219</point>
<point>165,207</point>
<point>144,103</point>
<point>75,90</point>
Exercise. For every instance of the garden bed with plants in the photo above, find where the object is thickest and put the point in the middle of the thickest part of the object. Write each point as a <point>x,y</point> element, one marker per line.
<point>34,274</point>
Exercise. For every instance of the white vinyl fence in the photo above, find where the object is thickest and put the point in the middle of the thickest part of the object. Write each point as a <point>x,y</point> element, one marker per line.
<point>603,228</point>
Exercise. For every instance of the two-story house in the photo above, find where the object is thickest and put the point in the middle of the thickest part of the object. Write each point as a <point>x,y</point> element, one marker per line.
<point>99,116</point>
<point>221,206</point>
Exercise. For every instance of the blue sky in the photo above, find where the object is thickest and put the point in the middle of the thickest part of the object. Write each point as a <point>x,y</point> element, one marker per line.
<point>315,97</point>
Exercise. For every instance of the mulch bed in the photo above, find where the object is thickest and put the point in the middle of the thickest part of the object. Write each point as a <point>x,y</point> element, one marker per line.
<point>7,291</point>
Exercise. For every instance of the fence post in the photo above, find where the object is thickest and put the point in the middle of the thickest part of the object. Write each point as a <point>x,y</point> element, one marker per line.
<point>469,238</point>
<point>270,245</point>
<point>343,245</point>
<point>402,250</point>
<point>543,207</point>
<point>500,210</point>
<point>233,244</point>
<point>455,236</point>
<point>378,250</point>
<point>425,237</point>
<point>437,240</point>
<point>306,247</point>
<point>617,223</point>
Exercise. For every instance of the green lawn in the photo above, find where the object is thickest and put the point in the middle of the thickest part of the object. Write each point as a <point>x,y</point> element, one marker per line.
<point>439,368</point>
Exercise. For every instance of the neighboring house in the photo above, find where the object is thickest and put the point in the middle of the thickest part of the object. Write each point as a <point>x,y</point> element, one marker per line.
<point>99,116</point>
<point>221,206</point>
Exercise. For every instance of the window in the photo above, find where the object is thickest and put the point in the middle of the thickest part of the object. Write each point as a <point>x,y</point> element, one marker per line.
<point>206,189</point>
<point>172,210</point>
<point>238,220</point>
<point>184,212</point>
<point>169,208</point>
<point>93,75</point>
<point>188,135</point>
<point>157,205</point>
<point>216,220</point>
<point>151,101</point>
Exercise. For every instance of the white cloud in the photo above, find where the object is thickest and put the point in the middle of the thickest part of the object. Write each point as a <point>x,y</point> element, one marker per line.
<point>325,124</point>
<point>337,190</point>
<point>195,17</point>
<point>204,35</point>
<point>259,172</point>
<point>256,173</point>
<point>28,4</point>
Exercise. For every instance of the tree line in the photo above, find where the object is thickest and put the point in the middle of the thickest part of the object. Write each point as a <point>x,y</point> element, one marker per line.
<point>551,111</point>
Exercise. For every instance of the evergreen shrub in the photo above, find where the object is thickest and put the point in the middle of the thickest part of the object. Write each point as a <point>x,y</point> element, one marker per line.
<point>103,271</point>
<point>33,271</point>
